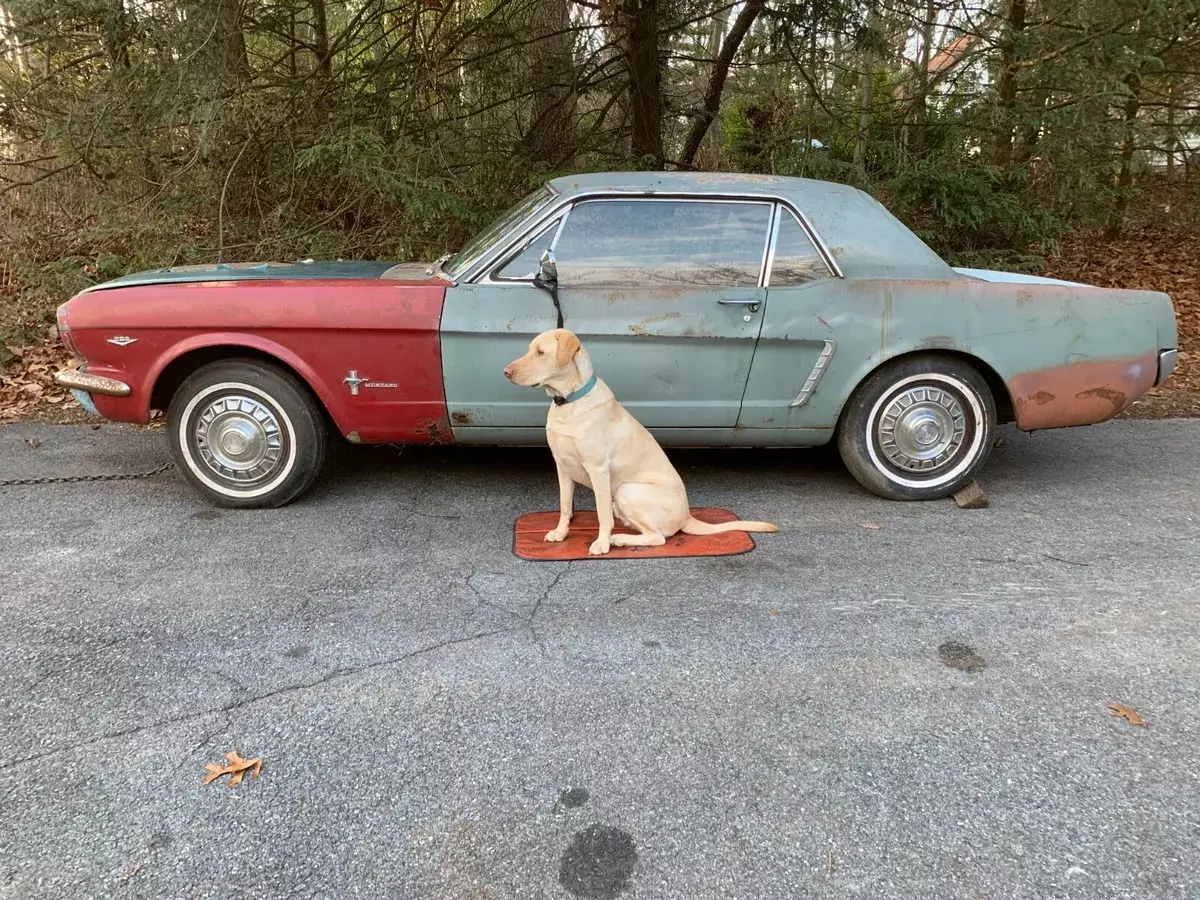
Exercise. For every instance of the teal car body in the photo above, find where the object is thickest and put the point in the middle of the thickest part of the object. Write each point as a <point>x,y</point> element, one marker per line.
<point>722,355</point>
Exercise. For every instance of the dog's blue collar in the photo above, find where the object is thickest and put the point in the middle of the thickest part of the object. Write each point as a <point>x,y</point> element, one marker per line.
<point>578,393</point>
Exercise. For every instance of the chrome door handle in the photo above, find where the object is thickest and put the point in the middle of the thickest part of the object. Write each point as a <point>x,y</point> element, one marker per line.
<point>749,302</point>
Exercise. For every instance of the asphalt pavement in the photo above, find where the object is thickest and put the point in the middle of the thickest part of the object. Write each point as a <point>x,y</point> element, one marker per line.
<point>884,700</point>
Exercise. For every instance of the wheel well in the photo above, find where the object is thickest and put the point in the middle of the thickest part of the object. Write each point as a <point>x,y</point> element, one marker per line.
<point>177,371</point>
<point>1000,395</point>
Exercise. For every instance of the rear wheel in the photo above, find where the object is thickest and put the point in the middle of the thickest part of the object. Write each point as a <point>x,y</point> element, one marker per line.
<point>246,434</point>
<point>918,428</point>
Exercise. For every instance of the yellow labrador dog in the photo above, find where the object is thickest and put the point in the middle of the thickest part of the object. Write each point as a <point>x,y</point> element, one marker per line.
<point>596,442</point>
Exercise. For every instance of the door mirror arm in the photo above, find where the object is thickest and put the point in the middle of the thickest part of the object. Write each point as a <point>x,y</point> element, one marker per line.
<point>547,280</point>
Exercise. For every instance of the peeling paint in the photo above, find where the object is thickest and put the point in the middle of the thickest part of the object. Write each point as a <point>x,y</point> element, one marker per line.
<point>661,292</point>
<point>736,178</point>
<point>643,326</point>
<point>460,418</point>
<point>938,342</point>
<point>1080,393</point>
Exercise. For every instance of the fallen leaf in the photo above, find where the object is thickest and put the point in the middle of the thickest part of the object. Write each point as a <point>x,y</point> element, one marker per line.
<point>1129,715</point>
<point>774,612</point>
<point>236,770</point>
<point>33,442</point>
<point>870,525</point>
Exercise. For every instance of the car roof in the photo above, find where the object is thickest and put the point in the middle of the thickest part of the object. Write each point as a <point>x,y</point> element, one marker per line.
<point>864,238</point>
<point>691,182</point>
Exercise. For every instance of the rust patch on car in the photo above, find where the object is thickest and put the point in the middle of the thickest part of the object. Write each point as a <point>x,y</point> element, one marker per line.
<point>1080,393</point>
<point>460,418</point>
<point>644,326</point>
<point>434,431</point>
<point>1116,398</point>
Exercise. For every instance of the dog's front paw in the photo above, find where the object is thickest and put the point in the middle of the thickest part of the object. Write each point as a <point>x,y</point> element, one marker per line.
<point>599,547</point>
<point>558,534</point>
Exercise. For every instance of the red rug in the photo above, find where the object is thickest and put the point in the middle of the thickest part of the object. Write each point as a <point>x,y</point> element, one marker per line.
<point>530,530</point>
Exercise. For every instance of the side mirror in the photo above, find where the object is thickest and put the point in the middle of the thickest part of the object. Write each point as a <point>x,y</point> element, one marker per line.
<point>548,269</point>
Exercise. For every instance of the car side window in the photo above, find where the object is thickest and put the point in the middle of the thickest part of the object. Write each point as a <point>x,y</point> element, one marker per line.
<point>639,242</point>
<point>526,263</point>
<point>797,260</point>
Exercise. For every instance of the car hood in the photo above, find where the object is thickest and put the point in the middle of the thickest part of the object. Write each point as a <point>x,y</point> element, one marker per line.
<point>274,271</point>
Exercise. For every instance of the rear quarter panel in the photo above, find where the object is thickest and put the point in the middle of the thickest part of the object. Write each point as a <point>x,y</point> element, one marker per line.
<point>385,329</point>
<point>1067,355</point>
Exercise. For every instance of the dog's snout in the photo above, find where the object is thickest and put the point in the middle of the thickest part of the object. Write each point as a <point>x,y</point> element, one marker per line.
<point>508,371</point>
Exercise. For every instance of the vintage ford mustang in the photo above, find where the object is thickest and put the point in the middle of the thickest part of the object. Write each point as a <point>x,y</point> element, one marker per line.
<point>723,310</point>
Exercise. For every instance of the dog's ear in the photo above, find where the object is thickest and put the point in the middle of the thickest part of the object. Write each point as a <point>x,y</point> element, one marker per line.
<point>568,346</point>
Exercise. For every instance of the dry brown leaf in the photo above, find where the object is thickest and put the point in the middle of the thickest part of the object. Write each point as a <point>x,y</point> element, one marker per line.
<point>1129,715</point>
<point>236,770</point>
<point>33,442</point>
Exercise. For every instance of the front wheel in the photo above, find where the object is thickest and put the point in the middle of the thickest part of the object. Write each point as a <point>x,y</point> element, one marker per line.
<point>246,434</point>
<point>918,428</point>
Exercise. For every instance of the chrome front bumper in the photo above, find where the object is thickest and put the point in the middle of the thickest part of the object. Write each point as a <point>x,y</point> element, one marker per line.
<point>78,380</point>
<point>1166,364</point>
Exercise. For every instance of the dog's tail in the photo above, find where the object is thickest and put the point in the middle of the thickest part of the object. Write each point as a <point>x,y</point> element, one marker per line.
<point>695,526</point>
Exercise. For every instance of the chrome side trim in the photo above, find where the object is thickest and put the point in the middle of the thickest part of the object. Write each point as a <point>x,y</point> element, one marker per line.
<point>818,242</point>
<point>483,263</point>
<point>1166,364</point>
<point>520,247</point>
<point>814,377</point>
<point>772,237</point>
<point>92,384</point>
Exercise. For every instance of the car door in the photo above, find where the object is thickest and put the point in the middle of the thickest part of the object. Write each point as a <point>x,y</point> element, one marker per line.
<point>665,293</point>
<point>794,384</point>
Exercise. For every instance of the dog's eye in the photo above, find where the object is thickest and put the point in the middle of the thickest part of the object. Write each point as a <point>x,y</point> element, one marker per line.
<point>541,353</point>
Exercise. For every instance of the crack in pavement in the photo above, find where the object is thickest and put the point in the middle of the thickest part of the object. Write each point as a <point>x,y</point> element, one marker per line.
<point>529,623</point>
<point>481,601</point>
<point>230,707</point>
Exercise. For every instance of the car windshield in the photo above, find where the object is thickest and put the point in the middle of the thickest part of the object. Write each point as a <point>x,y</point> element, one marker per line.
<point>477,245</point>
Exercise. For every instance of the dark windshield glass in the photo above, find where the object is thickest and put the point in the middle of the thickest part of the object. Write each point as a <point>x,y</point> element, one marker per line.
<point>477,245</point>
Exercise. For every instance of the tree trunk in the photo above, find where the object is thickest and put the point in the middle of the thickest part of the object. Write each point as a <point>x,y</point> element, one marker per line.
<point>716,82</point>
<point>228,41</point>
<point>920,110</point>
<point>1171,136</point>
<point>864,123</point>
<point>116,35</point>
<point>551,139</point>
<point>865,99</point>
<point>1006,83</point>
<point>381,77</point>
<point>716,34</point>
<point>321,33</point>
<point>644,64</point>
<point>1116,220</point>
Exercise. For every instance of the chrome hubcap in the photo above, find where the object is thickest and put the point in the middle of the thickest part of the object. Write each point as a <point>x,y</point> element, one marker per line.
<point>238,437</point>
<point>921,429</point>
